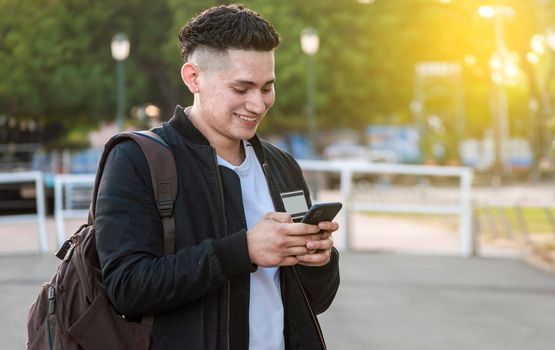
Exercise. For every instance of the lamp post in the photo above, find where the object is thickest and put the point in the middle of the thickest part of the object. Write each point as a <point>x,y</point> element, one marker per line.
<point>120,51</point>
<point>500,69</point>
<point>310,43</point>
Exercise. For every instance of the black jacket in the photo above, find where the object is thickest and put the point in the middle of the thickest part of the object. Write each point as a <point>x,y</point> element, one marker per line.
<point>200,295</point>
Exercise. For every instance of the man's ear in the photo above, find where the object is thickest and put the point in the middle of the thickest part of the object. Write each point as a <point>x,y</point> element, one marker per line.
<point>189,75</point>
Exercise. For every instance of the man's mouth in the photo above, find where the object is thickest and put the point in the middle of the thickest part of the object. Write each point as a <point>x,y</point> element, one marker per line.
<point>245,118</point>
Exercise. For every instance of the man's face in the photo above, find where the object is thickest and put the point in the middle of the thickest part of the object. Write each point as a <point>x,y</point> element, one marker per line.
<point>234,95</point>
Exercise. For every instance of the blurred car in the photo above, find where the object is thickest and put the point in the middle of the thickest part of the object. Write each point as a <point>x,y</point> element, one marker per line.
<point>345,151</point>
<point>357,153</point>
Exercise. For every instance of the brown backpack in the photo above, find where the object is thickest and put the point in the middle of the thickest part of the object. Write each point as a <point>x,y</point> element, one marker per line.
<point>72,311</point>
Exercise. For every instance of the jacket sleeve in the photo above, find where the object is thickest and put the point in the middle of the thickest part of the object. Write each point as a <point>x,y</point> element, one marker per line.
<point>139,279</point>
<point>320,283</point>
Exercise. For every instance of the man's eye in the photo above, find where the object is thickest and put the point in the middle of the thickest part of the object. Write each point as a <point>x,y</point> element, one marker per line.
<point>267,90</point>
<point>240,91</point>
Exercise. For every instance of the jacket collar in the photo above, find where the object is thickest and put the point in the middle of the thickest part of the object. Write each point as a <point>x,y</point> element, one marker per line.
<point>183,125</point>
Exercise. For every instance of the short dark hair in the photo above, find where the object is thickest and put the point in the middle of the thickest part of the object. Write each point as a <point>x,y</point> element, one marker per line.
<point>228,27</point>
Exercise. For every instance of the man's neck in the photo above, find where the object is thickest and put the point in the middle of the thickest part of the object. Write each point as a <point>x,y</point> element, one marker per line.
<point>234,156</point>
<point>231,151</point>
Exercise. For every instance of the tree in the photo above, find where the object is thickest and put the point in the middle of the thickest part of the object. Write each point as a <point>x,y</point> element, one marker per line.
<point>56,64</point>
<point>57,67</point>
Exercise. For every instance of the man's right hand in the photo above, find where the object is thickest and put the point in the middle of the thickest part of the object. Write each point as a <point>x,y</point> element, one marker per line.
<point>276,241</point>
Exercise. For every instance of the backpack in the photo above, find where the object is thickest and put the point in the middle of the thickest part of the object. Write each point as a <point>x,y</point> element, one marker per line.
<point>72,311</point>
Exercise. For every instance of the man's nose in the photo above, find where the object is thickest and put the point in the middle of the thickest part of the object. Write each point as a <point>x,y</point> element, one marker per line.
<point>256,103</point>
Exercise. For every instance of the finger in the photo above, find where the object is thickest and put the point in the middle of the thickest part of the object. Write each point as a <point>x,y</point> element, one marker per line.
<point>320,257</point>
<point>320,245</point>
<point>299,229</point>
<point>313,264</point>
<point>279,217</point>
<point>302,240</point>
<point>296,250</point>
<point>322,235</point>
<point>330,226</point>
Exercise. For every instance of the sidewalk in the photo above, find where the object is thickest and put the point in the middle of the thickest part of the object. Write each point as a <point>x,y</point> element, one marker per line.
<point>22,237</point>
<point>395,302</point>
<point>385,302</point>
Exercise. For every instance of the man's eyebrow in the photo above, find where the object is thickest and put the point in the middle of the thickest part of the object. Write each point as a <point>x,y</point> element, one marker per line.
<point>251,83</point>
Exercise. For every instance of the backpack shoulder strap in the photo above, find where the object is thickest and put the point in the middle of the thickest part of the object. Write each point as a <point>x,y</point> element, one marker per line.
<point>163,174</point>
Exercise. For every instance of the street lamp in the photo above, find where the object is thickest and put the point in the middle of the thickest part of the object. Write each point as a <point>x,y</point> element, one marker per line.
<point>120,51</point>
<point>310,43</point>
<point>502,68</point>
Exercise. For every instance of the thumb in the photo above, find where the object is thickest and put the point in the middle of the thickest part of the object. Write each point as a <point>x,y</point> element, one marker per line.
<point>279,217</point>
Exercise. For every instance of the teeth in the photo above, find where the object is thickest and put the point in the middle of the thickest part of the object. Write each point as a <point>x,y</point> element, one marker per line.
<point>247,119</point>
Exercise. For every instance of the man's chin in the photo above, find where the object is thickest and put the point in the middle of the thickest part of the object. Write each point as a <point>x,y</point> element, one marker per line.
<point>247,135</point>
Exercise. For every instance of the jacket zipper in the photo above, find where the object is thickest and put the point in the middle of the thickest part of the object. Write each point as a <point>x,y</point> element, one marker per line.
<point>312,315</point>
<point>221,188</point>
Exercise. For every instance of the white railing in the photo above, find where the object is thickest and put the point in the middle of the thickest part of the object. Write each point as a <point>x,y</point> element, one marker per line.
<point>40,216</point>
<point>347,169</point>
<point>60,211</point>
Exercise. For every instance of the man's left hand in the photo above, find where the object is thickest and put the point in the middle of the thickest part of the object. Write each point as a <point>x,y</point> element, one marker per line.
<point>321,248</point>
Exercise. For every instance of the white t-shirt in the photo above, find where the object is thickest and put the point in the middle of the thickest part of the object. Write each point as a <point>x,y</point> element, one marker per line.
<point>265,305</point>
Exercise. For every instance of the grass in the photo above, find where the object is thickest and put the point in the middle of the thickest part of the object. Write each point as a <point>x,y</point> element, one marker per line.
<point>517,221</point>
<point>506,221</point>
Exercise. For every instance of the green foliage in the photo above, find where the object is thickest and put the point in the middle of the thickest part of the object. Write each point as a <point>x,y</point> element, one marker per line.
<point>56,65</point>
<point>51,60</point>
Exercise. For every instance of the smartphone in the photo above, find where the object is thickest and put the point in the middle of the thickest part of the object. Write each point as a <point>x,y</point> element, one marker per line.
<point>321,212</point>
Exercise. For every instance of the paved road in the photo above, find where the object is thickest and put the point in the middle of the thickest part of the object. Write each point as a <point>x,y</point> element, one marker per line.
<point>392,302</point>
<point>386,301</point>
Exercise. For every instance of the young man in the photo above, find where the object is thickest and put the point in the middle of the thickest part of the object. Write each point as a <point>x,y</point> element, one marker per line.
<point>244,276</point>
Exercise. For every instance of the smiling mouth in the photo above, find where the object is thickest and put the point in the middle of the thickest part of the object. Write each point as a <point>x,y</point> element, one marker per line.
<point>245,118</point>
